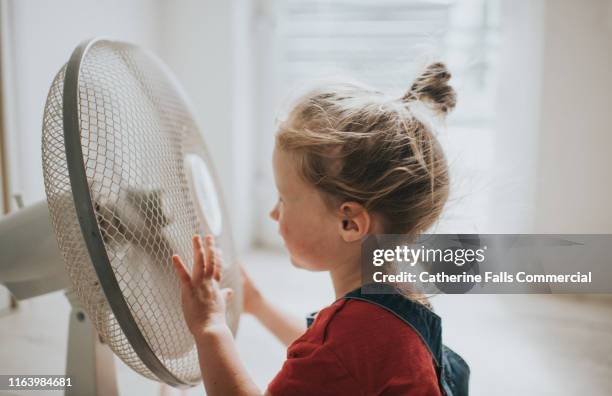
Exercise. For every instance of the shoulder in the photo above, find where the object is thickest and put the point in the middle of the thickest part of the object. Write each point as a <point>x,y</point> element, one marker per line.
<point>373,343</point>
<point>365,322</point>
<point>351,327</point>
<point>345,316</point>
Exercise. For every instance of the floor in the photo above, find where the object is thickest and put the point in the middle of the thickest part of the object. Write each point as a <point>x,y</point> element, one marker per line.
<point>528,345</point>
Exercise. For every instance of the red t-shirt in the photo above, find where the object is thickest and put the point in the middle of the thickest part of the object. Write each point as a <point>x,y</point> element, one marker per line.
<point>356,348</point>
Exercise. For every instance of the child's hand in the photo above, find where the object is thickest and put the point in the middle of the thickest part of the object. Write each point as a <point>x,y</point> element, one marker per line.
<point>252,296</point>
<point>202,299</point>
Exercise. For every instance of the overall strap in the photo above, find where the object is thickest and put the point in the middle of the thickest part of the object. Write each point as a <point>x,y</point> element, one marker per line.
<point>427,324</point>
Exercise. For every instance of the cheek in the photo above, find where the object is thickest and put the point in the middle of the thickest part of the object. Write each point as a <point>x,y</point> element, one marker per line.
<point>283,230</point>
<point>287,228</point>
<point>308,241</point>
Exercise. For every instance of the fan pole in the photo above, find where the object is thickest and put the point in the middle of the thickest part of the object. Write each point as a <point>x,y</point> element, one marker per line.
<point>90,363</point>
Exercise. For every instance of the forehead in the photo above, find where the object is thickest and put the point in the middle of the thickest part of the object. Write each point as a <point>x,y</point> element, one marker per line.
<point>285,171</point>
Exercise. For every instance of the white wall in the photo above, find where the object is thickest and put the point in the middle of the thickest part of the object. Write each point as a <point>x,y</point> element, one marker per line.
<point>554,122</point>
<point>205,43</point>
<point>512,189</point>
<point>38,38</point>
<point>574,185</point>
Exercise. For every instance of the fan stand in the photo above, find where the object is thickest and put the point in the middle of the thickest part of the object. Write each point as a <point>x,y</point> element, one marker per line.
<point>90,363</point>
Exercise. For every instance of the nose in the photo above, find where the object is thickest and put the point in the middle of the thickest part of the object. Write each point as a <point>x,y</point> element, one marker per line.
<point>274,212</point>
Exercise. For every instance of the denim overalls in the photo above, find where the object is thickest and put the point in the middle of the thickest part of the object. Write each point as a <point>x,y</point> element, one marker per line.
<point>453,372</point>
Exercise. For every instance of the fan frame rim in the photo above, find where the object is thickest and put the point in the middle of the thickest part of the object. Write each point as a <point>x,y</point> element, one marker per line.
<point>87,219</point>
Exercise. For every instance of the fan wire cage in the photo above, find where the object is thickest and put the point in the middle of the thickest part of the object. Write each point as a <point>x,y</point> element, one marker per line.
<point>116,135</point>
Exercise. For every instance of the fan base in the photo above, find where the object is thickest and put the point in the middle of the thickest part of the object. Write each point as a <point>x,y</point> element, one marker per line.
<point>90,363</point>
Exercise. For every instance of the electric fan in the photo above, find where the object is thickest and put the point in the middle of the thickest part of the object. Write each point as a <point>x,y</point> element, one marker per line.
<point>128,181</point>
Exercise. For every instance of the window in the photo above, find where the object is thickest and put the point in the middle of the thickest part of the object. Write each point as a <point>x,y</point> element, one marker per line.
<point>384,43</point>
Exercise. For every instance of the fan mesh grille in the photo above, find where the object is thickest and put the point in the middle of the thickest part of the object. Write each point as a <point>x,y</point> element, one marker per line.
<point>135,134</point>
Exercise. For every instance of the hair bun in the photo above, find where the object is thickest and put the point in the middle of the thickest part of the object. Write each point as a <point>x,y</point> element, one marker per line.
<point>432,88</point>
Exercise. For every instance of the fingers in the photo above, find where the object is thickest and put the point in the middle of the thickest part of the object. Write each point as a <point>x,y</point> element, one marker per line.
<point>217,273</point>
<point>207,260</point>
<point>181,271</point>
<point>198,259</point>
<point>211,257</point>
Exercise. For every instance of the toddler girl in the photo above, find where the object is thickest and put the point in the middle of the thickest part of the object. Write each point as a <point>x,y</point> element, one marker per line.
<point>348,162</point>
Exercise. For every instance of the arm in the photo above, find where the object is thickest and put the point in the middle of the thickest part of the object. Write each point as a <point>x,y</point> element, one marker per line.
<point>222,371</point>
<point>285,327</point>
<point>204,305</point>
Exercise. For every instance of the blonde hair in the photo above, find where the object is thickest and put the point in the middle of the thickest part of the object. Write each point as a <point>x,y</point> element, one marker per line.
<point>355,144</point>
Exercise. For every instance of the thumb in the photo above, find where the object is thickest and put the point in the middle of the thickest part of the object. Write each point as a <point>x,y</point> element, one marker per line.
<point>227,293</point>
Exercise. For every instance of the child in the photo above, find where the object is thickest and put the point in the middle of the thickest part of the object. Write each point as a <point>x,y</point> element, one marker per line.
<point>348,162</point>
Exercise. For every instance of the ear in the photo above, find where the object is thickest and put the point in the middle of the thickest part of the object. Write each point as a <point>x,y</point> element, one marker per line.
<point>354,222</point>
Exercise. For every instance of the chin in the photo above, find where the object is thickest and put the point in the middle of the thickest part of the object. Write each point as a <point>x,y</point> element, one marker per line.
<point>305,265</point>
